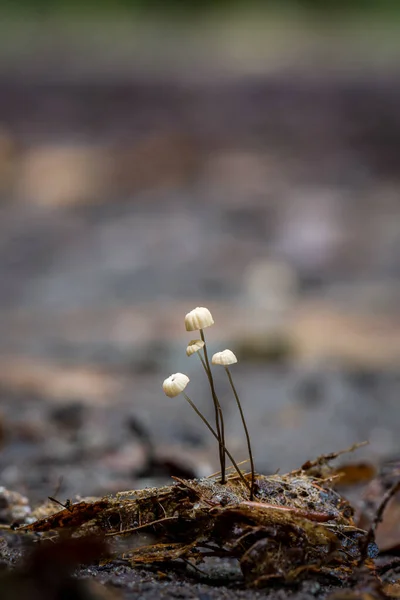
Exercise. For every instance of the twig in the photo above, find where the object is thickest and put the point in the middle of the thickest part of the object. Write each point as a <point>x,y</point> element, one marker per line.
<point>133,529</point>
<point>378,518</point>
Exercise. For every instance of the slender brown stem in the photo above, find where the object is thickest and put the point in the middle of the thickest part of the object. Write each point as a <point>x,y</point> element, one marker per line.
<point>253,474</point>
<point>226,451</point>
<point>219,419</point>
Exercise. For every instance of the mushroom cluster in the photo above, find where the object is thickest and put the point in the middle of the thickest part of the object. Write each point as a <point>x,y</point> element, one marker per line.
<point>199,319</point>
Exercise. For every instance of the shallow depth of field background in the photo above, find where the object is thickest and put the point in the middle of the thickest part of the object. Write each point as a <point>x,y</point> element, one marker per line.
<point>239,156</point>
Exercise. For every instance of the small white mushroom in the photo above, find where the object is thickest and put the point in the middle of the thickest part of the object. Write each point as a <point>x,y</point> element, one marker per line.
<point>224,358</point>
<point>198,318</point>
<point>175,384</point>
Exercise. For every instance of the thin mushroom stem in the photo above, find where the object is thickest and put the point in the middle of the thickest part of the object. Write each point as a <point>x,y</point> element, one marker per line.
<point>219,422</point>
<point>253,475</point>
<point>219,419</point>
<point>226,451</point>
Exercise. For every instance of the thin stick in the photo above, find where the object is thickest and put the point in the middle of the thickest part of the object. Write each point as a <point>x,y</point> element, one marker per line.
<point>378,518</point>
<point>320,517</point>
<point>242,462</point>
<point>114,533</point>
<point>187,561</point>
<point>219,419</point>
<point>229,455</point>
<point>253,473</point>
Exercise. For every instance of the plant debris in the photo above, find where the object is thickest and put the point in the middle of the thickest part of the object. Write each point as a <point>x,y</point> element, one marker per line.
<point>296,527</point>
<point>383,487</point>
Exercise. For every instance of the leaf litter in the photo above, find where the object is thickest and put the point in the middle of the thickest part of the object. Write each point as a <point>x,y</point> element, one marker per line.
<point>296,527</point>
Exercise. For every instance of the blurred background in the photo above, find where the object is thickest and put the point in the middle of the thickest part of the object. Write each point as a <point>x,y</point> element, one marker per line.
<point>157,156</point>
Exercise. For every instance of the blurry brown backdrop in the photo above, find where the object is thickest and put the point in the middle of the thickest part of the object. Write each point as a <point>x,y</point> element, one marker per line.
<point>240,157</point>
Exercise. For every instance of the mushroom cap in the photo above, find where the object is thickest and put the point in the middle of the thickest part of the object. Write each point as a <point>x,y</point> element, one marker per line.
<point>198,318</point>
<point>175,384</point>
<point>225,358</point>
<point>194,346</point>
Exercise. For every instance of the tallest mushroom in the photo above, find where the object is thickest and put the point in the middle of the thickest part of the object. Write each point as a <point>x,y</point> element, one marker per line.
<point>197,320</point>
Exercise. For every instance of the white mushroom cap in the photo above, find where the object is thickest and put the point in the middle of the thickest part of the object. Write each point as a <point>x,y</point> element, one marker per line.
<point>225,358</point>
<point>175,384</point>
<point>194,346</point>
<point>198,318</point>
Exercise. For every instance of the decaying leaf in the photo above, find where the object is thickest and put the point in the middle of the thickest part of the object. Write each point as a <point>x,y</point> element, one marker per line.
<point>354,474</point>
<point>388,529</point>
<point>296,526</point>
<point>392,590</point>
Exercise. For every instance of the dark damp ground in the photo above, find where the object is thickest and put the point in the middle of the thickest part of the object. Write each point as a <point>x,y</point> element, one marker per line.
<point>94,290</point>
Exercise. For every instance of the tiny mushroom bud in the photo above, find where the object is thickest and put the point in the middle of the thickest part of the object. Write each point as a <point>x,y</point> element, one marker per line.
<point>198,318</point>
<point>194,346</point>
<point>225,358</point>
<point>175,384</point>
